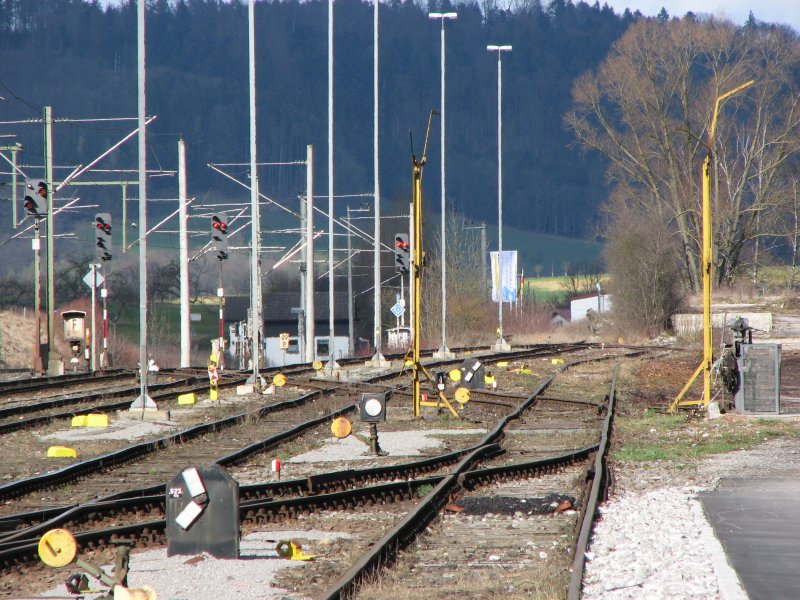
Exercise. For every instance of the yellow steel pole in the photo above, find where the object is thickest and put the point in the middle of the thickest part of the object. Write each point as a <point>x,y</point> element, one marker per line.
<point>415,269</point>
<point>417,369</point>
<point>708,347</point>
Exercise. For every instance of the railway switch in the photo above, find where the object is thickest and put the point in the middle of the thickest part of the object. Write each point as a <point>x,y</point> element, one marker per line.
<point>203,513</point>
<point>59,548</point>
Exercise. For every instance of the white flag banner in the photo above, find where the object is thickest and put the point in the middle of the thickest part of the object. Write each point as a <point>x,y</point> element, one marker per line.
<point>504,276</point>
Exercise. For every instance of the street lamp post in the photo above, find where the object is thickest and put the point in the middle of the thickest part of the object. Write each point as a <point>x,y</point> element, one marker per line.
<point>378,358</point>
<point>332,365</point>
<point>350,303</point>
<point>443,352</point>
<point>501,343</point>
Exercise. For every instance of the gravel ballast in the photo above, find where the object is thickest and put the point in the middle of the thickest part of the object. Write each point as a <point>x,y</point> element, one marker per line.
<point>653,539</point>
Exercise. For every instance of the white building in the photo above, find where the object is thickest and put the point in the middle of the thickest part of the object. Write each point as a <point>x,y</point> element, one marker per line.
<point>578,305</point>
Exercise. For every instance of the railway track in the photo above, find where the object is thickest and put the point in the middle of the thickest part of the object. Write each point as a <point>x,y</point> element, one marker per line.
<point>262,503</point>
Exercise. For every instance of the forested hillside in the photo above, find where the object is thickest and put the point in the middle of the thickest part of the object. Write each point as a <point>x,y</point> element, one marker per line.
<point>80,58</point>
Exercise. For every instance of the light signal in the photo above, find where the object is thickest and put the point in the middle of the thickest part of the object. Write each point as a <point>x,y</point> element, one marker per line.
<point>402,253</point>
<point>35,199</point>
<point>219,235</point>
<point>102,235</point>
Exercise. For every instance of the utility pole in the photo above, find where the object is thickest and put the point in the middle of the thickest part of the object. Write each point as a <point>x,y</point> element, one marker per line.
<point>310,314</point>
<point>350,342</point>
<point>331,335</point>
<point>186,331</point>
<point>51,293</point>
<point>144,401</point>
<point>257,320</point>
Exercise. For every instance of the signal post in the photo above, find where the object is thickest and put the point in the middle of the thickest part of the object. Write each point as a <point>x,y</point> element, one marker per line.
<point>219,242</point>
<point>102,232</point>
<point>35,203</point>
<point>418,369</point>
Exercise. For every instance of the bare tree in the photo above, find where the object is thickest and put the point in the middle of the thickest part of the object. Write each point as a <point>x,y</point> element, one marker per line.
<point>649,105</point>
<point>641,259</point>
<point>468,307</point>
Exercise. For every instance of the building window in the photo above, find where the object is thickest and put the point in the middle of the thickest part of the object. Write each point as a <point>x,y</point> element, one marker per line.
<point>323,347</point>
<point>294,345</point>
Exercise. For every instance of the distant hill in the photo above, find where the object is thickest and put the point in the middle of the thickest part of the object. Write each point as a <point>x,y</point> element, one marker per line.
<point>80,58</point>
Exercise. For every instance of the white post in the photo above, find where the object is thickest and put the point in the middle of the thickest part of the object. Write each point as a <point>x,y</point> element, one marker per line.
<point>378,358</point>
<point>255,273</point>
<point>444,351</point>
<point>500,49</point>
<point>331,335</point>
<point>350,334</point>
<point>186,330</point>
<point>93,349</point>
<point>144,400</point>
<point>309,287</point>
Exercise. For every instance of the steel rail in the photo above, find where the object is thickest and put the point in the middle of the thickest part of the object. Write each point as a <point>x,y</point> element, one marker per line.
<point>384,552</point>
<point>597,493</point>
<point>14,553</point>
<point>75,471</point>
<point>39,383</point>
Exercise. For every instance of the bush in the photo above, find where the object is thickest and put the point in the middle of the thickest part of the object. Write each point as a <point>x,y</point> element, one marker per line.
<point>642,261</point>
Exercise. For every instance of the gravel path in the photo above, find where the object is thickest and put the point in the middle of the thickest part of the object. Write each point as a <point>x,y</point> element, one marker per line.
<point>653,540</point>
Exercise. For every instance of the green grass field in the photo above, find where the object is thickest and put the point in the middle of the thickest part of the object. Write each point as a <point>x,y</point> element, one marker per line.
<point>166,319</point>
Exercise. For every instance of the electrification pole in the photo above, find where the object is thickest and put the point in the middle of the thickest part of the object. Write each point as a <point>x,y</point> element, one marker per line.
<point>444,351</point>
<point>310,315</point>
<point>144,401</point>
<point>186,326</point>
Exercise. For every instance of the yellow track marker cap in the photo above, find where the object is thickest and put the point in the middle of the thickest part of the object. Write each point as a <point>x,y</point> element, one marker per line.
<point>279,380</point>
<point>341,427</point>
<point>455,375</point>
<point>462,395</point>
<point>57,548</point>
<point>61,452</point>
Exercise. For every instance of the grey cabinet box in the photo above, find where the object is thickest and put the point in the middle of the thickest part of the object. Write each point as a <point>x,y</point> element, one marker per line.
<point>203,513</point>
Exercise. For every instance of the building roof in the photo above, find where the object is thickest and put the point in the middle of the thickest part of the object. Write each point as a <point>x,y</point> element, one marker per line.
<point>278,305</point>
<point>589,295</point>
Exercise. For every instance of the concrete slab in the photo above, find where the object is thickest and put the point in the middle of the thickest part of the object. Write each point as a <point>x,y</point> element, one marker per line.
<point>207,578</point>
<point>148,414</point>
<point>116,430</point>
<point>394,443</point>
<point>758,523</point>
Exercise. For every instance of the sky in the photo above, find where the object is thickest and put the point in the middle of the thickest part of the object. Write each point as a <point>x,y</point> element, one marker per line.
<point>771,11</point>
